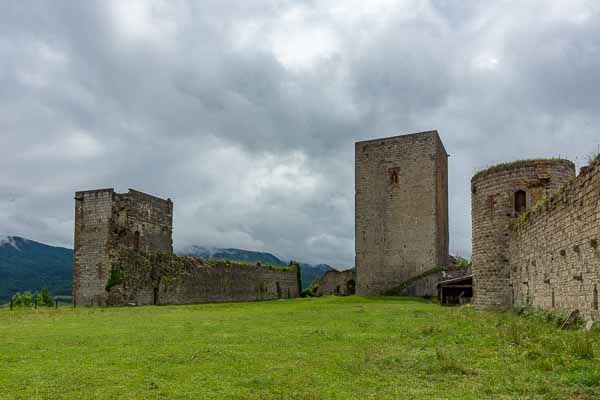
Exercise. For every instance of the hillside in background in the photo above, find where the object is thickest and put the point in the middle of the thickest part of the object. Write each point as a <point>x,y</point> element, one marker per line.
<point>309,272</point>
<point>231,254</point>
<point>29,265</point>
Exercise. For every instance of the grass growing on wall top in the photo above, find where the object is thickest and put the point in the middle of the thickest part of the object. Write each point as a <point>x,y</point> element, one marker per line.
<point>230,263</point>
<point>325,348</point>
<point>539,205</point>
<point>516,164</point>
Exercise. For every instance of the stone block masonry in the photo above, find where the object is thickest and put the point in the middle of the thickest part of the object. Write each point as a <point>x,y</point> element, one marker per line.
<point>106,221</point>
<point>124,254</point>
<point>401,216</point>
<point>555,251</point>
<point>498,195</point>
<point>167,279</point>
<point>336,283</point>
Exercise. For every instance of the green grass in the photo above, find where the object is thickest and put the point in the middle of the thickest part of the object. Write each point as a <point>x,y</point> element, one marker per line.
<point>517,163</point>
<point>325,348</point>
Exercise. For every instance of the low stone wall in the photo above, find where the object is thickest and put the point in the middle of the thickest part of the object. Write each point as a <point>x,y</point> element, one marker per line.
<point>555,254</point>
<point>337,283</point>
<point>141,278</point>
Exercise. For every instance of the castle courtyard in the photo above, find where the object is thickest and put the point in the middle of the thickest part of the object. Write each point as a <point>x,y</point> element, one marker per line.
<point>317,348</point>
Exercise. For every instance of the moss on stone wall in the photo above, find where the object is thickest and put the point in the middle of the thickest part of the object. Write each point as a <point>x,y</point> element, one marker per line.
<point>230,263</point>
<point>160,278</point>
<point>541,204</point>
<point>116,276</point>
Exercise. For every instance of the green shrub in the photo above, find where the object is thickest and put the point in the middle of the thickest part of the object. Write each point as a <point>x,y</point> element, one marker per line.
<point>17,300</point>
<point>462,262</point>
<point>43,298</point>
<point>27,298</point>
<point>553,317</point>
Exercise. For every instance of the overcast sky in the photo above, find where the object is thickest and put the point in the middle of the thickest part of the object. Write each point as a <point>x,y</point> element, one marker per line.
<point>245,113</point>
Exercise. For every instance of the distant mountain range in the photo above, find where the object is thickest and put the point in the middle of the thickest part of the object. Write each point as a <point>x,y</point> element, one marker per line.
<point>30,265</point>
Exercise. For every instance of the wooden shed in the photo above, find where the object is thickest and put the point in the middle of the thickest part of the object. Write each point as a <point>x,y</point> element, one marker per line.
<point>456,291</point>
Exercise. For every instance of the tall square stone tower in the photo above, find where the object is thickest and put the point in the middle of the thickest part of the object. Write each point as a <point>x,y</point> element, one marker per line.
<point>401,214</point>
<point>105,222</point>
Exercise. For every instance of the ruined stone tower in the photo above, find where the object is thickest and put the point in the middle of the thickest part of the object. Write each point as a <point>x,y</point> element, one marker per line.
<point>401,212</point>
<point>106,222</point>
<point>498,195</point>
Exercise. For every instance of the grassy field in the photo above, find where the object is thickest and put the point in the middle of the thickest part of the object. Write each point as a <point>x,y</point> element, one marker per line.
<point>328,348</point>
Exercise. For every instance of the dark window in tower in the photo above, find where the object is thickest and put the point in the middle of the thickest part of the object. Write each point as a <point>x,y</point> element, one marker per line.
<point>394,177</point>
<point>595,299</point>
<point>136,240</point>
<point>520,201</point>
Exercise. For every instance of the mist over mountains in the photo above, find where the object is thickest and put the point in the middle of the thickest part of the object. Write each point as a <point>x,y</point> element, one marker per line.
<point>29,265</point>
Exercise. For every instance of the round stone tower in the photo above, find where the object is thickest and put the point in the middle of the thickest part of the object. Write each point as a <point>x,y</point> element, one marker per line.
<point>499,195</point>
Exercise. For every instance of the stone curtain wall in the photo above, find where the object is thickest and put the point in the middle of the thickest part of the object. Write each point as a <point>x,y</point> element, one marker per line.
<point>167,279</point>
<point>494,217</point>
<point>401,211</point>
<point>555,257</point>
<point>106,221</point>
<point>93,235</point>
<point>337,283</point>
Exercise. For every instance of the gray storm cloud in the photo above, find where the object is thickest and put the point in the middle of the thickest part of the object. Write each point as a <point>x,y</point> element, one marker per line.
<point>245,113</point>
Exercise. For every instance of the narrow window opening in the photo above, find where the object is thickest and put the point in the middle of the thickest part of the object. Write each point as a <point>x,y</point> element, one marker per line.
<point>155,297</point>
<point>595,300</point>
<point>520,201</point>
<point>394,177</point>
<point>136,240</point>
<point>278,290</point>
<point>553,299</point>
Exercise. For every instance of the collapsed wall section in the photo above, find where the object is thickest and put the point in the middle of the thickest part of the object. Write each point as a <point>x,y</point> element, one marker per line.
<point>168,279</point>
<point>555,254</point>
<point>143,222</point>
<point>336,283</point>
<point>105,222</point>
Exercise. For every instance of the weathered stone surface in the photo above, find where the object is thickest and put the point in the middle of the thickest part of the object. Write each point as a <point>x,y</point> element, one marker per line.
<point>337,283</point>
<point>123,255</point>
<point>106,221</point>
<point>554,254</point>
<point>494,216</point>
<point>168,279</point>
<point>401,211</point>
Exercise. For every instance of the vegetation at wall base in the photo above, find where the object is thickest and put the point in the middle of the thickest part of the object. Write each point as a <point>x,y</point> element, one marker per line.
<point>316,348</point>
